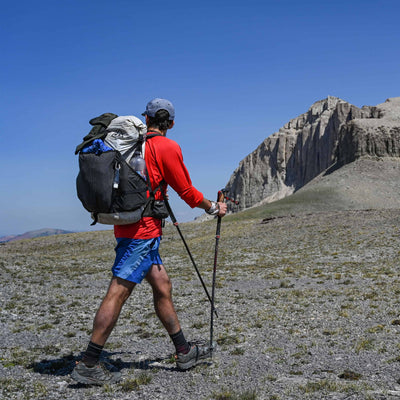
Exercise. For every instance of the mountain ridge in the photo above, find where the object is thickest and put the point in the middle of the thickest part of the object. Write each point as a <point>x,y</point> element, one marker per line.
<point>34,234</point>
<point>331,134</point>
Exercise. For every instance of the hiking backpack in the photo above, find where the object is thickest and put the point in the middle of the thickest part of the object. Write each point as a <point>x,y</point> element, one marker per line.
<point>108,187</point>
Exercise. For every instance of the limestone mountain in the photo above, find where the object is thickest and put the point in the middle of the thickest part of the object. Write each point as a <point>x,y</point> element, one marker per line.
<point>330,135</point>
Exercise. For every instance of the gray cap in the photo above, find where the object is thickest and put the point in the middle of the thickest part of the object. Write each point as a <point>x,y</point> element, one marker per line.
<point>159,104</point>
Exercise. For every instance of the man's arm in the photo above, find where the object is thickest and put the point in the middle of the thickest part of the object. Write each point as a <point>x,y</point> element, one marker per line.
<point>174,172</point>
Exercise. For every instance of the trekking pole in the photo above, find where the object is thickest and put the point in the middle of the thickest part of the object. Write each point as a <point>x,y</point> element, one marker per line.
<point>217,236</point>
<point>175,222</point>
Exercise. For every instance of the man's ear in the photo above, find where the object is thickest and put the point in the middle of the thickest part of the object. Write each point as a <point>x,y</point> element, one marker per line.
<point>172,123</point>
<point>147,119</point>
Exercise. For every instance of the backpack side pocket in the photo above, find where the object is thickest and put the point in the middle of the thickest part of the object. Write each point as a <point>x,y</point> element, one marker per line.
<point>132,190</point>
<point>95,181</point>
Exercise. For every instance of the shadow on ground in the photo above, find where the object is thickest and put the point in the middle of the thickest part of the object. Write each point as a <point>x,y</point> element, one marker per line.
<point>64,365</point>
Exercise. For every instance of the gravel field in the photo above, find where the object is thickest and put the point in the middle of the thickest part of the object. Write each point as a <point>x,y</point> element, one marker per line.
<point>308,309</point>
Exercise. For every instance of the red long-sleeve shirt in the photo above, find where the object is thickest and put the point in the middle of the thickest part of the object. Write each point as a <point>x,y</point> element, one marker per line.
<point>164,160</point>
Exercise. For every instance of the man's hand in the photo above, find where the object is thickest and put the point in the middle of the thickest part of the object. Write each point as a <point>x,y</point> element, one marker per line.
<point>222,209</point>
<point>213,208</point>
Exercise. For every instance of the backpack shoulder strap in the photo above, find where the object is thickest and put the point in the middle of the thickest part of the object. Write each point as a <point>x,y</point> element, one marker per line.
<point>159,187</point>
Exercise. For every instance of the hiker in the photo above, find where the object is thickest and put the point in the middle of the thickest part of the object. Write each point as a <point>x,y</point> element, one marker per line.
<point>137,255</point>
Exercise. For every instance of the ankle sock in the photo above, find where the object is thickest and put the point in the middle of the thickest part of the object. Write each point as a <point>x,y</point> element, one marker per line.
<point>92,354</point>
<point>180,343</point>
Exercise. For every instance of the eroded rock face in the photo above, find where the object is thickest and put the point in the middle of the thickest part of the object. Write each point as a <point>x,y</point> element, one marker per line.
<point>377,136</point>
<point>331,133</point>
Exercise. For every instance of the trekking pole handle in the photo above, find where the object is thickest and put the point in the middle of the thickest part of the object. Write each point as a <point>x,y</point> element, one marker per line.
<point>220,196</point>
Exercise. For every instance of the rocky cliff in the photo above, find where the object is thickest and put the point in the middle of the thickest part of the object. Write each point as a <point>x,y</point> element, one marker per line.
<point>330,134</point>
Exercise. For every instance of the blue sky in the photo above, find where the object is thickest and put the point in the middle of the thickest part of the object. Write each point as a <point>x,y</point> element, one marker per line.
<point>236,72</point>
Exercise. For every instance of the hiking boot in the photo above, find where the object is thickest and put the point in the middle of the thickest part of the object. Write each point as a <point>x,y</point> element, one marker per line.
<point>195,355</point>
<point>96,375</point>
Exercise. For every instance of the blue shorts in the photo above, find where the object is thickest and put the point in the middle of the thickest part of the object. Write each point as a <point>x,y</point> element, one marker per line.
<point>134,258</point>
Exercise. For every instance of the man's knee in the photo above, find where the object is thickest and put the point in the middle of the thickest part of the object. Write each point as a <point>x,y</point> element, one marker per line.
<point>162,287</point>
<point>159,279</point>
<point>120,289</point>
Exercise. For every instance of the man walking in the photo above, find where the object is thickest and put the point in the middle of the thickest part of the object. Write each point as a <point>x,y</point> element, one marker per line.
<point>137,254</point>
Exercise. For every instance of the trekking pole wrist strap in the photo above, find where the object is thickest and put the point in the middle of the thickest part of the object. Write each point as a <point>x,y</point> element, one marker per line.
<point>214,209</point>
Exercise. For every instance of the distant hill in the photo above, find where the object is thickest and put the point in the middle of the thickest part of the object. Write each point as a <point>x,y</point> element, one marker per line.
<point>33,234</point>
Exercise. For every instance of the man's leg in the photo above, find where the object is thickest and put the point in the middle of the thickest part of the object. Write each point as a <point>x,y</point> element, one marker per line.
<point>89,370</point>
<point>106,317</point>
<point>165,310</point>
<point>162,296</point>
<point>110,308</point>
<point>187,354</point>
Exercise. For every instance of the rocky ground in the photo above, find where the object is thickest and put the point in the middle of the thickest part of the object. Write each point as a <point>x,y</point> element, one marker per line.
<point>308,309</point>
